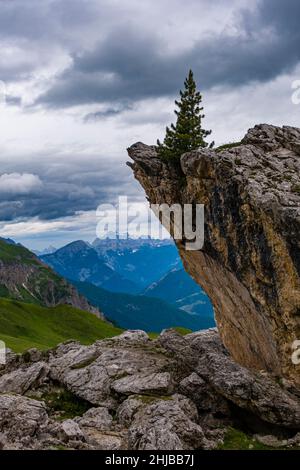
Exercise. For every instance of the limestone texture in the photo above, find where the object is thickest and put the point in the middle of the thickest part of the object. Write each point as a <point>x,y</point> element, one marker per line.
<point>250,261</point>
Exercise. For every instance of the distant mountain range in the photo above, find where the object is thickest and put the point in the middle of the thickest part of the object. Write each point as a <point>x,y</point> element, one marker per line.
<point>45,251</point>
<point>180,290</point>
<point>135,283</point>
<point>80,261</point>
<point>115,265</point>
<point>39,308</point>
<point>150,288</point>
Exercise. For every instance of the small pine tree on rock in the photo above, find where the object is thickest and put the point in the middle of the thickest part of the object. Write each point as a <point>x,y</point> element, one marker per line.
<point>187,134</point>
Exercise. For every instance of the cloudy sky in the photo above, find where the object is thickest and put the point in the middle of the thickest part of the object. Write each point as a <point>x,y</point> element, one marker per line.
<point>84,79</point>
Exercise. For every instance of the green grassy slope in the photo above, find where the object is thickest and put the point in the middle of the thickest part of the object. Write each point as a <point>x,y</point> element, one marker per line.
<point>24,326</point>
<point>13,253</point>
<point>23,277</point>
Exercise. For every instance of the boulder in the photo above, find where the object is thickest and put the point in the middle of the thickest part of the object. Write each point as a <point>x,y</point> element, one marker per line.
<point>92,372</point>
<point>96,418</point>
<point>169,424</point>
<point>257,392</point>
<point>70,430</point>
<point>156,383</point>
<point>132,336</point>
<point>21,416</point>
<point>249,264</point>
<point>21,380</point>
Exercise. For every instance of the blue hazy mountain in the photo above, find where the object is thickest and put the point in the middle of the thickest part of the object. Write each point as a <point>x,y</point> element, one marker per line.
<point>160,293</point>
<point>141,260</point>
<point>187,295</point>
<point>119,265</point>
<point>139,311</point>
<point>79,261</point>
<point>46,251</point>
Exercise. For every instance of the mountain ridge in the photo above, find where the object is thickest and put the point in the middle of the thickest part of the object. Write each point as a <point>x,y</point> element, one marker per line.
<point>141,312</point>
<point>79,261</point>
<point>24,277</point>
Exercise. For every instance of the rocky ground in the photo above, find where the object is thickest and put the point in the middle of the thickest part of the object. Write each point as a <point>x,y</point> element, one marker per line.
<point>129,392</point>
<point>250,262</point>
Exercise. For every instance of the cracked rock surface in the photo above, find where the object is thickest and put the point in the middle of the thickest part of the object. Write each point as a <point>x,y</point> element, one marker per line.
<point>250,262</point>
<point>129,392</point>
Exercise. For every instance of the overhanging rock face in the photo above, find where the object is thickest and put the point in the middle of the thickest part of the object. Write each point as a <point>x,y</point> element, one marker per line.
<point>250,261</point>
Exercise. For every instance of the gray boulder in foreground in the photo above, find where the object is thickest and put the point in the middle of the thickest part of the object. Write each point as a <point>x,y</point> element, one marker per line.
<point>129,392</point>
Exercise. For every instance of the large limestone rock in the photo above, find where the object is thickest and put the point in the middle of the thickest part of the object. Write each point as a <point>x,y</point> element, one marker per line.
<point>21,417</point>
<point>172,393</point>
<point>122,365</point>
<point>250,262</point>
<point>22,380</point>
<point>160,382</point>
<point>258,392</point>
<point>168,424</point>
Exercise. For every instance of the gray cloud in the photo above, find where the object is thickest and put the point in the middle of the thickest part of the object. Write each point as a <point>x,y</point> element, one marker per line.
<point>40,31</point>
<point>130,60</point>
<point>59,189</point>
<point>54,20</point>
<point>109,112</point>
<point>130,64</point>
<point>118,58</point>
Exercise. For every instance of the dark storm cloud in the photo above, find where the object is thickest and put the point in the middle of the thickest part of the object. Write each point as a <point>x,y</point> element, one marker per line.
<point>38,30</point>
<point>131,65</point>
<point>109,112</point>
<point>65,188</point>
<point>46,19</point>
<point>13,100</point>
<point>129,62</point>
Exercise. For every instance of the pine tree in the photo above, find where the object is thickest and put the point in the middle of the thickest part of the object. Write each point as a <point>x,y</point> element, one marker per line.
<point>187,134</point>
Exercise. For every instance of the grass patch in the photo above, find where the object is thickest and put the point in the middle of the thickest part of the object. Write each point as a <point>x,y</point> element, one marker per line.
<point>238,440</point>
<point>295,188</point>
<point>4,292</point>
<point>18,253</point>
<point>153,335</point>
<point>24,326</point>
<point>182,331</point>
<point>228,146</point>
<point>65,404</point>
<point>60,447</point>
<point>148,399</point>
